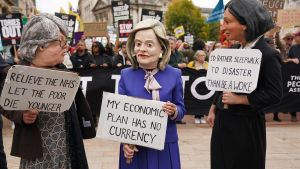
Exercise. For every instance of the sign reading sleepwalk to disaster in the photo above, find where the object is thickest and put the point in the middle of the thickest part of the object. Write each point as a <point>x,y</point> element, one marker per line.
<point>70,21</point>
<point>234,70</point>
<point>133,121</point>
<point>46,90</point>
<point>10,28</point>
<point>120,11</point>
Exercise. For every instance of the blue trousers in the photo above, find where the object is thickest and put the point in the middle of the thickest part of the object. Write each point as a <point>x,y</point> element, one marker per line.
<point>3,163</point>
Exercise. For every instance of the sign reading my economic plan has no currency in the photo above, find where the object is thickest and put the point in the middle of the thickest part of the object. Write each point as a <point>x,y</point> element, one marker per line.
<point>46,90</point>
<point>133,121</point>
<point>234,70</point>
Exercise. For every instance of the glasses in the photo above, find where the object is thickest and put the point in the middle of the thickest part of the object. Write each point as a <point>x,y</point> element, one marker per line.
<point>289,38</point>
<point>62,43</point>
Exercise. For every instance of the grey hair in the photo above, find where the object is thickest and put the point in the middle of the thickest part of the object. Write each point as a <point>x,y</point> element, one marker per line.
<point>197,53</point>
<point>161,35</point>
<point>39,31</point>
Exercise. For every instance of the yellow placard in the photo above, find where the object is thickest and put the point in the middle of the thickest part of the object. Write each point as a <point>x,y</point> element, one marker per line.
<point>179,31</point>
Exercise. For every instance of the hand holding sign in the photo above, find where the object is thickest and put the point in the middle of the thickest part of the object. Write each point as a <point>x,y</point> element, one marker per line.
<point>129,150</point>
<point>30,116</point>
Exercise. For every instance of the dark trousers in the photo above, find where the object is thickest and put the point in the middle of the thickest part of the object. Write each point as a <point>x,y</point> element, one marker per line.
<point>293,114</point>
<point>3,163</point>
<point>199,116</point>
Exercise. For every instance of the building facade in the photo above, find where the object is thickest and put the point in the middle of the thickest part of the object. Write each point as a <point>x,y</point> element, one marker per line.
<point>25,7</point>
<point>6,6</point>
<point>102,10</point>
<point>85,10</point>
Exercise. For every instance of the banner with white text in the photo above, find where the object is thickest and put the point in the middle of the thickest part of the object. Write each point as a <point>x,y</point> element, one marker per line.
<point>10,28</point>
<point>70,21</point>
<point>120,11</point>
<point>197,97</point>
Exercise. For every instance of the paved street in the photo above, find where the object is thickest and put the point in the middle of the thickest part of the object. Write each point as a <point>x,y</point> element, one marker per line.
<point>283,149</point>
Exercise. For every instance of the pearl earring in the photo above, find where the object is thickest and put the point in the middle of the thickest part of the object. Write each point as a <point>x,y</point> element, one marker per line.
<point>160,55</point>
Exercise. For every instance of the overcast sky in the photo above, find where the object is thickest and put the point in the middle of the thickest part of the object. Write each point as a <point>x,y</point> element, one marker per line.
<point>54,5</point>
<point>208,3</point>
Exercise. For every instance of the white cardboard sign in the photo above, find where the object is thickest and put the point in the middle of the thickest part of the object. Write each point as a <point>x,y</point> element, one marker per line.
<point>234,70</point>
<point>133,121</point>
<point>46,90</point>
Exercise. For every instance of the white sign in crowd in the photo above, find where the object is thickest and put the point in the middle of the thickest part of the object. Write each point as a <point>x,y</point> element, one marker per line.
<point>47,90</point>
<point>233,70</point>
<point>133,121</point>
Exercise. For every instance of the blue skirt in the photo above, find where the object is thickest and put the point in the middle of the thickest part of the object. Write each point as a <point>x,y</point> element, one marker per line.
<point>147,158</point>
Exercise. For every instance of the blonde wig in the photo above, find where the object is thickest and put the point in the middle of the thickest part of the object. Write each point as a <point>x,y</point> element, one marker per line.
<point>161,35</point>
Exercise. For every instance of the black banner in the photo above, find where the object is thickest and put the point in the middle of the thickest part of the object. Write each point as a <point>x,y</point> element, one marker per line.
<point>10,28</point>
<point>120,11</point>
<point>290,101</point>
<point>70,21</point>
<point>197,97</point>
<point>153,14</point>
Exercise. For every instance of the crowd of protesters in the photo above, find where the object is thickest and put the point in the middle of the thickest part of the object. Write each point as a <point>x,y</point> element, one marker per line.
<point>194,56</point>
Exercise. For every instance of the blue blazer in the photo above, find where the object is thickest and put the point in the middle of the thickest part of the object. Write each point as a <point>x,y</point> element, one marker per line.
<point>132,84</point>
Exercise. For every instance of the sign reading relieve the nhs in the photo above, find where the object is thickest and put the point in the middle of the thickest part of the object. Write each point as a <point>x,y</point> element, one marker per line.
<point>46,90</point>
<point>133,121</point>
<point>234,70</point>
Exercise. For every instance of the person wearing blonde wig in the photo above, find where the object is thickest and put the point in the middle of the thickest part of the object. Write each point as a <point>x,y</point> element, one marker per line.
<point>238,138</point>
<point>150,77</point>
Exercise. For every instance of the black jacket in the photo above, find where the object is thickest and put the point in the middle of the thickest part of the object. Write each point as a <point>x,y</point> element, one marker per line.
<point>83,61</point>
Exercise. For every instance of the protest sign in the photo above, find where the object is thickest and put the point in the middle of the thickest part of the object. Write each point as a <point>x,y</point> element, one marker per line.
<point>10,28</point>
<point>112,34</point>
<point>234,70</point>
<point>70,21</point>
<point>151,14</point>
<point>120,11</point>
<point>273,6</point>
<point>179,31</point>
<point>125,27</point>
<point>133,121</point>
<point>288,18</point>
<point>95,29</point>
<point>189,39</point>
<point>46,90</point>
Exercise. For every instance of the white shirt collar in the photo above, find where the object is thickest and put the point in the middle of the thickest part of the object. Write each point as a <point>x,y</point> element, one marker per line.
<point>251,44</point>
